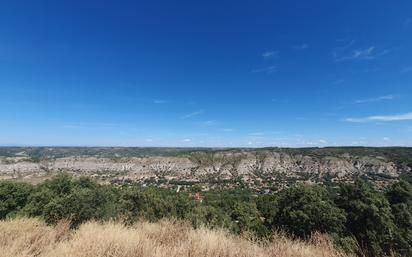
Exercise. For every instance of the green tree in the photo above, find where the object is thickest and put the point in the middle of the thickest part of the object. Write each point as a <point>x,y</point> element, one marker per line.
<point>13,197</point>
<point>268,207</point>
<point>208,216</point>
<point>369,217</point>
<point>152,204</point>
<point>399,196</point>
<point>306,209</point>
<point>66,198</point>
<point>247,217</point>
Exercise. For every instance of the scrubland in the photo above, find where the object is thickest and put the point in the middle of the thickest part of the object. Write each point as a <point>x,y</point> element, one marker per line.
<point>27,237</point>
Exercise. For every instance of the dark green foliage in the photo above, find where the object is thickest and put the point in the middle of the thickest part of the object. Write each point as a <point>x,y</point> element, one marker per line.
<point>306,209</point>
<point>240,206</point>
<point>209,216</point>
<point>247,217</point>
<point>152,204</point>
<point>369,218</point>
<point>399,193</point>
<point>13,197</point>
<point>268,207</point>
<point>400,199</point>
<point>65,198</point>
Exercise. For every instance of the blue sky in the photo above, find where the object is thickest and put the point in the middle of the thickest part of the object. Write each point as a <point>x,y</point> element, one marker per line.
<point>206,73</point>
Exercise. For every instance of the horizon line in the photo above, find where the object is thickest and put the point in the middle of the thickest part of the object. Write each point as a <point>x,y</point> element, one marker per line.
<point>201,147</point>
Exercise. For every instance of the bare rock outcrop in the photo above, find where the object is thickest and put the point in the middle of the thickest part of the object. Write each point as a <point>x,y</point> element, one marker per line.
<point>227,164</point>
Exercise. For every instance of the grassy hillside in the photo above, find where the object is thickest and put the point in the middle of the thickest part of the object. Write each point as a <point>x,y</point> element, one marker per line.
<point>31,237</point>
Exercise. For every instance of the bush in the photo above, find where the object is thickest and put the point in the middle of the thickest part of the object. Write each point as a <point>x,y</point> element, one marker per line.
<point>306,209</point>
<point>247,218</point>
<point>13,197</point>
<point>400,199</point>
<point>210,217</point>
<point>74,200</point>
<point>369,218</point>
<point>152,204</point>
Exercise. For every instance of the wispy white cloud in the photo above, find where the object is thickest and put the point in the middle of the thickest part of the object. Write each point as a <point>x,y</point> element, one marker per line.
<point>270,54</point>
<point>208,123</point>
<point>193,114</point>
<point>360,54</point>
<point>90,125</point>
<point>72,126</point>
<point>187,140</point>
<point>301,46</point>
<point>323,141</point>
<point>160,101</point>
<point>347,52</point>
<point>256,133</point>
<point>338,81</point>
<point>267,70</point>
<point>300,118</point>
<point>406,69</point>
<point>375,99</point>
<point>227,129</point>
<point>382,118</point>
<point>276,100</point>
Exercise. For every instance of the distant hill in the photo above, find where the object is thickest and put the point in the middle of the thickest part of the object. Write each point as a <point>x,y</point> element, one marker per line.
<point>267,169</point>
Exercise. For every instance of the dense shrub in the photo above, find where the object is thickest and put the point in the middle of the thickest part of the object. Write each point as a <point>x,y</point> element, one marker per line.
<point>369,218</point>
<point>247,218</point>
<point>13,197</point>
<point>152,204</point>
<point>400,199</point>
<point>210,217</point>
<point>306,209</point>
<point>74,200</point>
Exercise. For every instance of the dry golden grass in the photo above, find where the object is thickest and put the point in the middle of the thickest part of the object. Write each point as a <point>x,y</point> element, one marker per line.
<point>31,237</point>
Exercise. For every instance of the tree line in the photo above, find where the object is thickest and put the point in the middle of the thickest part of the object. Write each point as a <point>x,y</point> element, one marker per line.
<point>360,219</point>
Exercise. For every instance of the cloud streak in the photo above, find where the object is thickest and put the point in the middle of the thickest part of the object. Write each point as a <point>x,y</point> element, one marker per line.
<point>267,70</point>
<point>270,54</point>
<point>193,114</point>
<point>256,133</point>
<point>382,118</point>
<point>208,123</point>
<point>406,69</point>
<point>160,101</point>
<point>227,129</point>
<point>344,53</point>
<point>375,99</point>
<point>301,47</point>
<point>338,81</point>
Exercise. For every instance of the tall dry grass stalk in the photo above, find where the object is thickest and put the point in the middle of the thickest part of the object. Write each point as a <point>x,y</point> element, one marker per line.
<point>31,237</point>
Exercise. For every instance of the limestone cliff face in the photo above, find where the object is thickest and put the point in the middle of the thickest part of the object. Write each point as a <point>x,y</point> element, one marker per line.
<point>274,162</point>
<point>227,164</point>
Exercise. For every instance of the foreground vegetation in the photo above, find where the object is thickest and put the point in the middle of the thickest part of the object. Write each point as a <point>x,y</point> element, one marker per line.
<point>359,219</point>
<point>31,237</point>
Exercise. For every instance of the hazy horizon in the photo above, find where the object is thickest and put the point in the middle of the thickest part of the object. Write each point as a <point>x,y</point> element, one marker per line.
<point>206,74</point>
<point>197,147</point>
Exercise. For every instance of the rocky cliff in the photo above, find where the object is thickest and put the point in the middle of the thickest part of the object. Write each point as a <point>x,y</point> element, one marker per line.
<point>226,164</point>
